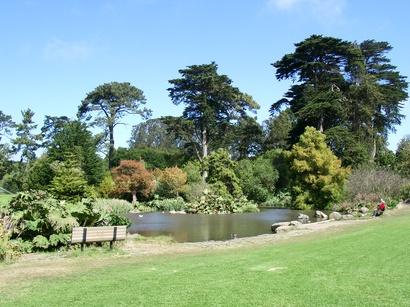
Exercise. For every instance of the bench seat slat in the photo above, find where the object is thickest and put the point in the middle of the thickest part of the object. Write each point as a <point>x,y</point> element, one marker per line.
<point>98,234</point>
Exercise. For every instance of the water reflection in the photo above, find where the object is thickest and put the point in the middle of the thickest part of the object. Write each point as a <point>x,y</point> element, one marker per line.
<point>201,227</point>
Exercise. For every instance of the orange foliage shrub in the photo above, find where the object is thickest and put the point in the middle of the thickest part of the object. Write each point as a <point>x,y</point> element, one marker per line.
<point>132,177</point>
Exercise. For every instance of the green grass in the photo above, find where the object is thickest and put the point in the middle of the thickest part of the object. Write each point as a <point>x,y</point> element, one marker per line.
<point>5,199</point>
<point>367,265</point>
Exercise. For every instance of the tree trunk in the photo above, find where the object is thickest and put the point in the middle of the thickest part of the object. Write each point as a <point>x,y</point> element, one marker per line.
<point>111,147</point>
<point>321,124</point>
<point>204,152</point>
<point>374,150</point>
<point>134,197</point>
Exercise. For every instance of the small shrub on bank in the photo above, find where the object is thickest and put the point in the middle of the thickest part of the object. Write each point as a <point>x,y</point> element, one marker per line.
<point>194,191</point>
<point>280,200</point>
<point>212,203</point>
<point>366,186</point>
<point>168,204</point>
<point>405,193</point>
<point>8,249</point>
<point>113,211</point>
<point>37,221</point>
<point>170,181</point>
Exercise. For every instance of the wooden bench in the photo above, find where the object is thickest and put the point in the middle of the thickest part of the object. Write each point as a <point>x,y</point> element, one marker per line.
<point>98,234</point>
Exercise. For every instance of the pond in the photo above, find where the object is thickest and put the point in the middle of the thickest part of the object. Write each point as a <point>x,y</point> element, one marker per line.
<point>202,227</point>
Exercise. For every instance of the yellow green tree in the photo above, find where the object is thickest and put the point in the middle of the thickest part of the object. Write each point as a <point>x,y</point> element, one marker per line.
<point>318,177</point>
<point>171,181</point>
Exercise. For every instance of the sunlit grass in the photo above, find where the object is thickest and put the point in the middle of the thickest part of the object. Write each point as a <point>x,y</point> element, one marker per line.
<point>364,266</point>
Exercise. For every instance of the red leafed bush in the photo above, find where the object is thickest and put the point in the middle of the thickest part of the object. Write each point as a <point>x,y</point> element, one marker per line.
<point>132,177</point>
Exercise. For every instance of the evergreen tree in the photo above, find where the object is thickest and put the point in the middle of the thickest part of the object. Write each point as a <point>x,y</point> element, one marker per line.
<point>74,139</point>
<point>111,102</point>
<point>26,141</point>
<point>212,105</point>
<point>403,156</point>
<point>318,177</point>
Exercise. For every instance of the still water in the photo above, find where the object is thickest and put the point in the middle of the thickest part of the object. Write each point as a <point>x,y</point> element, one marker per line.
<point>202,227</point>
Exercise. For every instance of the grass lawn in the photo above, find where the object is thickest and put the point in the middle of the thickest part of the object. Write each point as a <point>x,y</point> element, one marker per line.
<point>5,199</point>
<point>367,265</point>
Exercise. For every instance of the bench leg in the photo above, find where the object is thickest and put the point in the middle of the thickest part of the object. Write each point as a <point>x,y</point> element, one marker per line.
<point>111,244</point>
<point>82,246</point>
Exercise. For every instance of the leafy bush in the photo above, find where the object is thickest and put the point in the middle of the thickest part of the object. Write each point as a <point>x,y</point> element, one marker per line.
<point>405,193</point>
<point>170,181</point>
<point>143,208</point>
<point>132,177</point>
<point>193,169</point>
<point>36,217</point>
<point>169,204</point>
<point>280,200</point>
<point>257,178</point>
<point>403,156</point>
<point>39,222</point>
<point>366,186</point>
<point>107,186</point>
<point>8,249</point>
<point>112,211</point>
<point>212,203</point>
<point>69,182</point>
<point>194,191</point>
<point>221,172</point>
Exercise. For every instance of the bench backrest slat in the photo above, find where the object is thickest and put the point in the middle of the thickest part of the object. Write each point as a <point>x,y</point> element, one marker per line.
<point>98,234</point>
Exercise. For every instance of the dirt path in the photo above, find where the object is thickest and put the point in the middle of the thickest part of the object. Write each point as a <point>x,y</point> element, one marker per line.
<point>35,266</point>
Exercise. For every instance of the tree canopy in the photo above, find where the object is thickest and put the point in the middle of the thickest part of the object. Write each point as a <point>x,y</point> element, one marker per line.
<point>349,91</point>
<point>110,102</point>
<point>212,105</point>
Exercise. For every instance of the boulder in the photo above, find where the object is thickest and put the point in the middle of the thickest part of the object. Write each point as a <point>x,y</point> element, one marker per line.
<point>320,215</point>
<point>364,209</point>
<point>295,223</point>
<point>335,216</point>
<point>282,229</point>
<point>303,217</point>
<point>347,217</point>
<point>276,225</point>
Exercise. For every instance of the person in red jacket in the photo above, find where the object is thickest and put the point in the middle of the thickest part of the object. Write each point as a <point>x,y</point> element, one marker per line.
<point>380,208</point>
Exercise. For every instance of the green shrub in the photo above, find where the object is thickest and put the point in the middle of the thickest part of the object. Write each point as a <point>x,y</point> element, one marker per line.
<point>366,186</point>
<point>280,200</point>
<point>107,186</point>
<point>112,211</point>
<point>405,193</point>
<point>69,182</point>
<point>35,217</point>
<point>5,200</point>
<point>213,203</point>
<point>194,191</point>
<point>170,182</point>
<point>193,169</point>
<point>41,222</point>
<point>221,172</point>
<point>8,250</point>
<point>257,178</point>
<point>168,204</point>
<point>143,208</point>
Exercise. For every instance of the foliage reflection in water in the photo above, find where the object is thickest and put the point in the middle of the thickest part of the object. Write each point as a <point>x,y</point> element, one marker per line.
<point>201,227</point>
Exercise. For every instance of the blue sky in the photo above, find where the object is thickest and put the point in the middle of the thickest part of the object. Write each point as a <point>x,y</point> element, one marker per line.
<point>54,52</point>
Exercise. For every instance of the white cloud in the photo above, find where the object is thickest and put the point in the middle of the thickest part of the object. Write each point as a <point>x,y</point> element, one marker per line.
<point>67,51</point>
<point>322,10</point>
